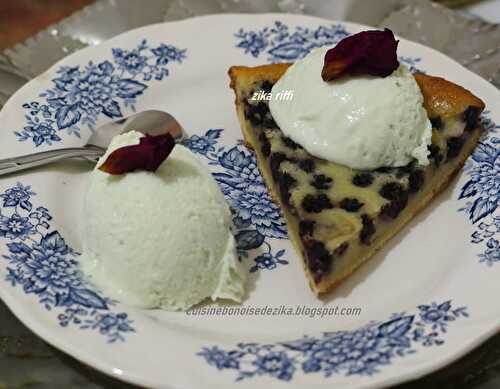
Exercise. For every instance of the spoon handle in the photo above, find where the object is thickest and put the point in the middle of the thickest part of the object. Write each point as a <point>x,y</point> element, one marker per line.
<point>23,162</point>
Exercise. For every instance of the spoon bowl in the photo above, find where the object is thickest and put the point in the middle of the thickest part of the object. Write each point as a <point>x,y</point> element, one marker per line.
<point>152,122</point>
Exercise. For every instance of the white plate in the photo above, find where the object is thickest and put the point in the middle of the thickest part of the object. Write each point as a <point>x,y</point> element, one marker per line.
<point>426,299</point>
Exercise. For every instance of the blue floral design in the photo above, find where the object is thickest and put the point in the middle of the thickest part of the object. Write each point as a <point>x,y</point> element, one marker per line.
<point>41,262</point>
<point>205,144</point>
<point>268,261</point>
<point>223,359</point>
<point>492,253</point>
<point>256,217</point>
<point>276,364</point>
<point>482,191</point>
<point>243,185</point>
<point>488,232</point>
<point>81,94</point>
<point>18,195</point>
<point>363,351</point>
<point>282,44</point>
<point>15,227</point>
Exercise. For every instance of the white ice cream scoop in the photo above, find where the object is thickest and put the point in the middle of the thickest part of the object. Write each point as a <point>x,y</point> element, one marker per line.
<point>363,122</point>
<point>160,239</point>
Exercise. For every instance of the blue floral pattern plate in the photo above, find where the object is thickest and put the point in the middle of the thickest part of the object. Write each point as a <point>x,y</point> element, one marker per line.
<point>422,302</point>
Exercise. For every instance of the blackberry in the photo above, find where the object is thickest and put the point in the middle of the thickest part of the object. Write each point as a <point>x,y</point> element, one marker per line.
<point>350,204</point>
<point>266,149</point>
<point>416,180</point>
<point>384,169</point>
<point>289,143</point>
<point>275,162</point>
<point>368,229</point>
<point>470,117</point>
<point>286,181</point>
<point>391,191</point>
<point>320,181</point>
<point>454,145</point>
<point>340,250</point>
<point>362,180</point>
<point>437,123</point>
<point>256,112</point>
<point>266,86</point>
<point>315,204</point>
<point>405,170</point>
<point>434,154</point>
<point>269,122</point>
<point>265,146</point>
<point>319,259</point>
<point>392,209</point>
<point>306,227</point>
<point>307,165</point>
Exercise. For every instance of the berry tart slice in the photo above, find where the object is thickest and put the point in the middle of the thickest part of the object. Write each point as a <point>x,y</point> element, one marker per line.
<point>338,216</point>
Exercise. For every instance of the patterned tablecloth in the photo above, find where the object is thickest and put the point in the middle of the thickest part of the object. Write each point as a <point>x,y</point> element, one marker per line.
<point>26,360</point>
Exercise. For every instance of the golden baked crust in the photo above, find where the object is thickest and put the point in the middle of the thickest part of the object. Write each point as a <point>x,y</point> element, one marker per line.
<point>443,99</point>
<point>244,75</point>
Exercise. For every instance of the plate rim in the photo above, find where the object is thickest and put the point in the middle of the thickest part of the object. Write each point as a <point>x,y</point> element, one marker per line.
<point>48,335</point>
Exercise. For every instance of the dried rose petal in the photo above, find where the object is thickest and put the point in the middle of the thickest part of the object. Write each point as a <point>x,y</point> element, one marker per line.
<point>368,52</point>
<point>147,155</point>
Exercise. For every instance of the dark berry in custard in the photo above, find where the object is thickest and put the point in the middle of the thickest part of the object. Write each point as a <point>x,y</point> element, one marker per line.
<point>339,251</point>
<point>307,165</point>
<point>362,179</point>
<point>391,191</point>
<point>470,117</point>
<point>392,209</point>
<point>256,112</point>
<point>416,180</point>
<point>315,204</point>
<point>306,227</point>
<point>437,122</point>
<point>319,259</point>
<point>454,145</point>
<point>289,143</point>
<point>368,229</point>
<point>266,86</point>
<point>350,204</point>
<point>275,162</point>
<point>265,146</point>
<point>321,182</point>
<point>286,182</point>
<point>384,169</point>
<point>434,154</point>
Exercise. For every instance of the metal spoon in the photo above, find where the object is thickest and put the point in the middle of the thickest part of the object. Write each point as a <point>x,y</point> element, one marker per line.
<point>152,122</point>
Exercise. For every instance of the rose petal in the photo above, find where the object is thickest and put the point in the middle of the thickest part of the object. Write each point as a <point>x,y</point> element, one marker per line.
<point>147,155</point>
<point>368,52</point>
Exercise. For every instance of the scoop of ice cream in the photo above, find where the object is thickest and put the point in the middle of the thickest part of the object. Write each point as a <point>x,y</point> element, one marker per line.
<point>160,239</point>
<point>363,122</point>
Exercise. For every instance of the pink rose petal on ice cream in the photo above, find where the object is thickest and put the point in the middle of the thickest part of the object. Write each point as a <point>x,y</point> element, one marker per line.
<point>147,155</point>
<point>368,52</point>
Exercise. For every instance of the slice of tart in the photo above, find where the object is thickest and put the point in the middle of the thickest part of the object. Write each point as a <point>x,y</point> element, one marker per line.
<point>339,217</point>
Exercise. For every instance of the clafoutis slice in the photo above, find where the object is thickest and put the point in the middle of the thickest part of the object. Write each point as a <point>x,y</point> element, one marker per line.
<point>338,217</point>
